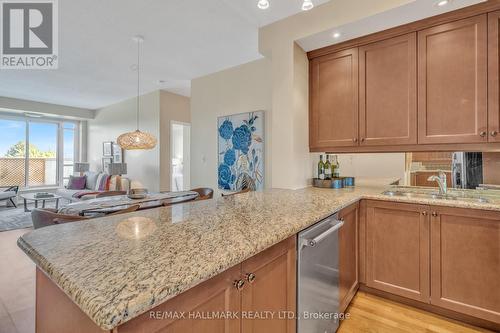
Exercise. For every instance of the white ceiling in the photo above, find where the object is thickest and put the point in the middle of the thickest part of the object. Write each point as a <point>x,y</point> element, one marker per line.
<point>411,12</point>
<point>184,39</point>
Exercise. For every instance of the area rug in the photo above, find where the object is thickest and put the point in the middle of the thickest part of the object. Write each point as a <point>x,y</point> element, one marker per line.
<point>16,218</point>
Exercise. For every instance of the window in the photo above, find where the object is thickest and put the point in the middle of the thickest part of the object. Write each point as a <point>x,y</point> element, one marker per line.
<point>36,152</point>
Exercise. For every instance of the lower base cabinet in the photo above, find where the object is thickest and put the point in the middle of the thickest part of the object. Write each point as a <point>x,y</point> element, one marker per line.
<point>397,249</point>
<point>465,262</point>
<point>446,257</point>
<point>348,255</point>
<point>265,282</point>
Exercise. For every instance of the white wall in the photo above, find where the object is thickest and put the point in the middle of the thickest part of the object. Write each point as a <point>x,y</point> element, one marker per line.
<point>22,105</point>
<point>240,89</point>
<point>116,119</point>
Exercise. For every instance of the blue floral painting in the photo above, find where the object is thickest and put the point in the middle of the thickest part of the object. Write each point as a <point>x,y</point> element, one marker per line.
<point>241,151</point>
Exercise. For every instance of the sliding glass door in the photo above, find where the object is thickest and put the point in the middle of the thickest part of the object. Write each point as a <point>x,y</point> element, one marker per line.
<point>42,161</point>
<point>36,152</point>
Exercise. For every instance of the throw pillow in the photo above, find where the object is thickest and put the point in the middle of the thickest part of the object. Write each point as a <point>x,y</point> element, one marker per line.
<point>91,179</point>
<point>77,183</point>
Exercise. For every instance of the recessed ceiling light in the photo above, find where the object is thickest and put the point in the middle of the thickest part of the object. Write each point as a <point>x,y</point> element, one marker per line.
<point>307,5</point>
<point>336,35</point>
<point>442,3</point>
<point>263,4</point>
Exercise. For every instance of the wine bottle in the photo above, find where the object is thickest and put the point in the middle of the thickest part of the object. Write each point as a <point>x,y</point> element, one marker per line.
<point>321,168</point>
<point>328,168</point>
<point>336,166</point>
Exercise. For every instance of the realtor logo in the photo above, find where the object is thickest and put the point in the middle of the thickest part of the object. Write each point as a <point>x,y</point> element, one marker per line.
<point>28,34</point>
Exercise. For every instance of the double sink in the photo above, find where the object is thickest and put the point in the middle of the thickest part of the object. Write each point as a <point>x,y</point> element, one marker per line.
<point>462,195</point>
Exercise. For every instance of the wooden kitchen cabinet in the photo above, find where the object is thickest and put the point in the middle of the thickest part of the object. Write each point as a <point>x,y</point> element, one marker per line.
<point>452,82</point>
<point>348,255</point>
<point>215,295</point>
<point>333,112</point>
<point>265,282</point>
<point>388,91</point>
<point>494,76</point>
<point>397,249</point>
<point>273,289</point>
<point>465,261</point>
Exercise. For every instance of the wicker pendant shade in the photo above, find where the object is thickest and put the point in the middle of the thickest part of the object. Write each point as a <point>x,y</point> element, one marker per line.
<point>137,140</point>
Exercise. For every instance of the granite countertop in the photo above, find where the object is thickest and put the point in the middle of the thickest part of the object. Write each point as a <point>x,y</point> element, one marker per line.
<point>115,268</point>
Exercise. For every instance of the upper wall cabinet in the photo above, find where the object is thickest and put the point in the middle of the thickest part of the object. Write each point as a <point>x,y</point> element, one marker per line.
<point>334,100</point>
<point>493,77</point>
<point>388,92</point>
<point>452,82</point>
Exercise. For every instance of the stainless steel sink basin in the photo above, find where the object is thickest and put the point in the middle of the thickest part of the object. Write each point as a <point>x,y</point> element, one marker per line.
<point>407,193</point>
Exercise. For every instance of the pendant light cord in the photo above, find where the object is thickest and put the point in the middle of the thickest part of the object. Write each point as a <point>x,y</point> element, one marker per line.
<point>138,81</point>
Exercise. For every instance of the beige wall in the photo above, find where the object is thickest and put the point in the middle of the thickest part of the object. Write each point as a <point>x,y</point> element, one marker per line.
<point>240,89</point>
<point>173,107</point>
<point>116,119</point>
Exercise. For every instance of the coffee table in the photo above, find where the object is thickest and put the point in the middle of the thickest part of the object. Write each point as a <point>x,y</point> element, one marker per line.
<point>31,197</point>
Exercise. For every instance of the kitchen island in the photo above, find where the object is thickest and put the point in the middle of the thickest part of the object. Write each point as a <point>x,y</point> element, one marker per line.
<point>117,268</point>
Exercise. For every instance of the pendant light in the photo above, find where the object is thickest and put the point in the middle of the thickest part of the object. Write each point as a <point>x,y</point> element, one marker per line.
<point>137,140</point>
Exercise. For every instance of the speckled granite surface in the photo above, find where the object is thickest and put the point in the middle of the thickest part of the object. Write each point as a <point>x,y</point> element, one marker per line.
<point>115,268</point>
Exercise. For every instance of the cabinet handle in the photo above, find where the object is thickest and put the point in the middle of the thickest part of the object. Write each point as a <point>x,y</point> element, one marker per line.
<point>355,140</point>
<point>493,133</point>
<point>483,134</point>
<point>424,213</point>
<point>250,277</point>
<point>239,284</point>
<point>362,139</point>
<point>434,214</point>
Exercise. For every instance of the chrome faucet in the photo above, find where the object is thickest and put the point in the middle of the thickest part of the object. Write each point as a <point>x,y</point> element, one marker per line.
<point>442,183</point>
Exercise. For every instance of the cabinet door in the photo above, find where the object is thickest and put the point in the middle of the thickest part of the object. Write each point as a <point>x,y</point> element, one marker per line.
<point>452,82</point>
<point>348,256</point>
<point>333,117</point>
<point>493,76</point>
<point>465,263</point>
<point>397,249</point>
<point>272,291</point>
<point>388,92</point>
<point>215,295</point>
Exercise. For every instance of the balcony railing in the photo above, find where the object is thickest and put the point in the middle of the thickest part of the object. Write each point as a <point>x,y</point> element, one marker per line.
<point>42,171</point>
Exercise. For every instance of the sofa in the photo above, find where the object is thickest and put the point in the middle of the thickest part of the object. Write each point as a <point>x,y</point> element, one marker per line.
<point>95,183</point>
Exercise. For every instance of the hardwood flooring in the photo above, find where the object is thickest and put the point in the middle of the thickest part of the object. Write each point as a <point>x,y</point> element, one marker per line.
<point>373,314</point>
<point>17,286</point>
<point>368,313</point>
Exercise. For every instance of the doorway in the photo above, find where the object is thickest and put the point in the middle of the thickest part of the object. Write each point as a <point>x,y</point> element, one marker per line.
<point>180,135</point>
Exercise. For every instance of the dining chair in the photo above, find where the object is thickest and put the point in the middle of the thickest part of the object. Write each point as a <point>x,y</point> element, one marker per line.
<point>44,217</point>
<point>126,210</point>
<point>204,193</point>
<point>110,194</point>
<point>235,193</point>
<point>178,201</point>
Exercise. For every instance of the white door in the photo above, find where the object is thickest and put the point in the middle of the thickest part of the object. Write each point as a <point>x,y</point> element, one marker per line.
<point>179,156</point>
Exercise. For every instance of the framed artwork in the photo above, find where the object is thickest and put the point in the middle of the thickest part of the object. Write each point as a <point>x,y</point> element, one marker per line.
<point>106,161</point>
<point>241,151</point>
<point>117,153</point>
<point>107,148</point>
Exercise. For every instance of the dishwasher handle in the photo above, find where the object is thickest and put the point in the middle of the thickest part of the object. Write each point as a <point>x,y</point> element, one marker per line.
<point>320,237</point>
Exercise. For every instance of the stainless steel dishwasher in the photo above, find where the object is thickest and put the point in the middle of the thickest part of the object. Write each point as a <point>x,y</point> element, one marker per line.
<point>318,277</point>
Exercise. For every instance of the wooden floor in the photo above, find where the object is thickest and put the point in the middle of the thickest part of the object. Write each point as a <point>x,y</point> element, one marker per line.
<point>17,286</point>
<point>372,314</point>
<point>368,313</point>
